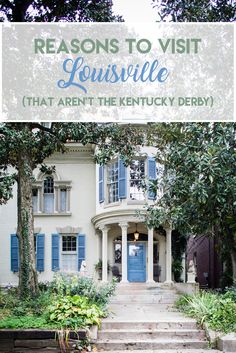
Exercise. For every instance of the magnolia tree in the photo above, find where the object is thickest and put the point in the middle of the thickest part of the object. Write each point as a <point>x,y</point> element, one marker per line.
<point>197,189</point>
<point>195,10</point>
<point>58,10</point>
<point>24,147</point>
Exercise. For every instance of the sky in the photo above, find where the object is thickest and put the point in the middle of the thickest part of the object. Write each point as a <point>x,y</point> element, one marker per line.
<point>135,10</point>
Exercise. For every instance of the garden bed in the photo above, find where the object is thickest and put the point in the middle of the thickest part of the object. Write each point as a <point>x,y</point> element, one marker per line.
<point>216,310</point>
<point>21,341</point>
<point>57,319</point>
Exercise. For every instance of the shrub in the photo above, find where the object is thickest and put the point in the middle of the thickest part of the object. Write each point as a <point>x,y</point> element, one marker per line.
<point>83,286</point>
<point>231,292</point>
<point>25,322</point>
<point>219,311</point>
<point>74,312</point>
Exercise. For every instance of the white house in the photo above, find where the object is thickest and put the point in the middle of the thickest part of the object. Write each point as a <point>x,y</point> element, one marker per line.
<point>89,212</point>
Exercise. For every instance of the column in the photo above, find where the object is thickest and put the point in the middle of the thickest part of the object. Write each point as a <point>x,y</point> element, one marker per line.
<point>168,256</point>
<point>162,257</point>
<point>124,227</point>
<point>104,230</point>
<point>150,256</point>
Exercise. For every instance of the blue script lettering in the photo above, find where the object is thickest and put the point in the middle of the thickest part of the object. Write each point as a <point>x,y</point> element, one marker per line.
<point>80,73</point>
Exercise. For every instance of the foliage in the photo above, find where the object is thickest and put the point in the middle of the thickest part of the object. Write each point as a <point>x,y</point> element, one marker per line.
<point>83,286</point>
<point>67,302</point>
<point>26,322</point>
<point>58,10</point>
<point>230,292</point>
<point>177,269</point>
<point>98,266</point>
<point>179,243</point>
<point>74,312</point>
<point>217,310</point>
<point>199,182</point>
<point>195,10</point>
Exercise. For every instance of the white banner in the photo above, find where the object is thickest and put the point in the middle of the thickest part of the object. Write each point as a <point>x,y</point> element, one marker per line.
<point>117,72</point>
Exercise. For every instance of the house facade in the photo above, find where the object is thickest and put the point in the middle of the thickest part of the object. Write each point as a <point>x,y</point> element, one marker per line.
<point>86,214</point>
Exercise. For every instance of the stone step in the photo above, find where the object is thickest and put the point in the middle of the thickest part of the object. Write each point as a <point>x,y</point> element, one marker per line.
<point>150,334</point>
<point>150,344</point>
<point>148,325</point>
<point>121,308</point>
<point>137,287</point>
<point>145,291</point>
<point>140,285</point>
<point>144,299</point>
<point>184,350</point>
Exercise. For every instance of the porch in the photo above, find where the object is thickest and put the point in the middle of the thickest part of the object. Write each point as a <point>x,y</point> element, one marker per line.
<point>137,253</point>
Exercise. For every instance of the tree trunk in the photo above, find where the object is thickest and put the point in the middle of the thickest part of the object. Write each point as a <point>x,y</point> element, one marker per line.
<point>233,258</point>
<point>19,10</point>
<point>28,280</point>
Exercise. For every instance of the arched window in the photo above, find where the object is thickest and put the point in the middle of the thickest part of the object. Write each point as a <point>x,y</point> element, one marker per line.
<point>51,195</point>
<point>48,194</point>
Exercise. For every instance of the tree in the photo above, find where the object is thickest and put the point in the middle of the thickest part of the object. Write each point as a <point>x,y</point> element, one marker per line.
<point>199,180</point>
<point>24,146</point>
<point>58,10</point>
<point>195,10</point>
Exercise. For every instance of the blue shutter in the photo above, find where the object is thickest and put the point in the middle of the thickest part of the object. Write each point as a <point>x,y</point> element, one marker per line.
<point>101,183</point>
<point>40,252</point>
<point>55,252</point>
<point>14,253</point>
<point>81,249</point>
<point>122,179</point>
<point>152,175</point>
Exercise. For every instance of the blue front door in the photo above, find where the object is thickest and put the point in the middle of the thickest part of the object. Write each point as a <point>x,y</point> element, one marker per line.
<point>136,262</point>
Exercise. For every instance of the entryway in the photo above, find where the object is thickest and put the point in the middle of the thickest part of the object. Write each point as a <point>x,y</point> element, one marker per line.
<point>136,262</point>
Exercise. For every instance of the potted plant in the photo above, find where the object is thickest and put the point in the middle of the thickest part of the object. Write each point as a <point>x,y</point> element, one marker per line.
<point>98,268</point>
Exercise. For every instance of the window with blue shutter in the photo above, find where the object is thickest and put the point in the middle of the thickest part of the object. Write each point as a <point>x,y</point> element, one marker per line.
<point>101,183</point>
<point>55,252</point>
<point>152,175</point>
<point>14,253</point>
<point>40,242</point>
<point>81,249</point>
<point>122,180</point>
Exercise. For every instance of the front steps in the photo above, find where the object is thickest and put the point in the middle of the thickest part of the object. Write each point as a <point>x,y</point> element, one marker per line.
<point>185,350</point>
<point>150,336</point>
<point>144,319</point>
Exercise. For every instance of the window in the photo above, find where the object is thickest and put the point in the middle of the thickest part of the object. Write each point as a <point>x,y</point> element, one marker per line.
<point>69,243</point>
<point>63,200</point>
<point>112,182</point>
<point>48,193</point>
<point>69,253</point>
<point>137,175</point>
<point>51,195</point>
<point>117,253</point>
<point>35,200</point>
